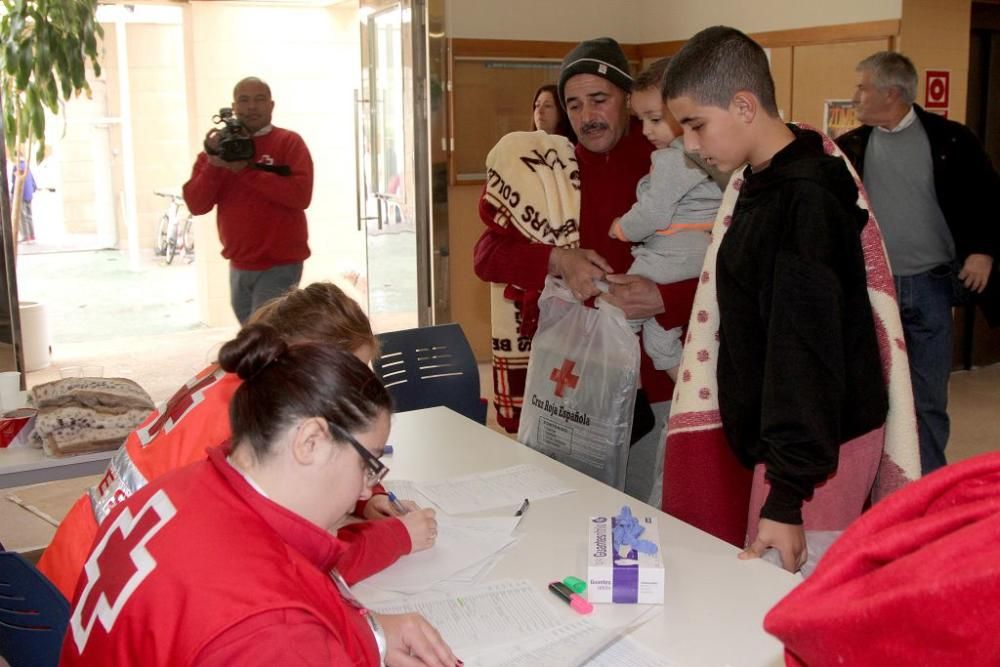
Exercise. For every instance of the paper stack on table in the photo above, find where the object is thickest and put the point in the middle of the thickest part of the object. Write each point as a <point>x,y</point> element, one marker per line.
<point>487,615</point>
<point>578,642</point>
<point>465,549</point>
<point>509,622</point>
<point>490,490</point>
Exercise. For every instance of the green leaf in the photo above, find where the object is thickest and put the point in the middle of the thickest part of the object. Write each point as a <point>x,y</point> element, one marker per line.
<point>44,49</point>
<point>51,98</point>
<point>10,58</point>
<point>38,122</point>
<point>23,68</point>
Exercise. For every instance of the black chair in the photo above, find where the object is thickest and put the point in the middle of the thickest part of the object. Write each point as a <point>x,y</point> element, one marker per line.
<point>33,614</point>
<point>431,366</point>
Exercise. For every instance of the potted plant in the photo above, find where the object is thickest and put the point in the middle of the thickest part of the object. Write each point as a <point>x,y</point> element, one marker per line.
<point>44,49</point>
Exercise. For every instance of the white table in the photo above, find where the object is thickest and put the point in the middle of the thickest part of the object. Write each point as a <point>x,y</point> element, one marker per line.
<point>26,465</point>
<point>714,603</point>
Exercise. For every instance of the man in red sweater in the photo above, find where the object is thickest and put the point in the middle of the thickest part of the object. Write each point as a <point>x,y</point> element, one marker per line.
<point>613,155</point>
<point>261,203</point>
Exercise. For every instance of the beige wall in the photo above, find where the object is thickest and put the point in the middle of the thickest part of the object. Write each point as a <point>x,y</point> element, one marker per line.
<point>825,71</point>
<point>89,154</point>
<point>85,174</point>
<point>637,21</point>
<point>935,35</point>
<point>310,57</point>
<point>470,297</point>
<point>159,119</point>
<point>679,19</point>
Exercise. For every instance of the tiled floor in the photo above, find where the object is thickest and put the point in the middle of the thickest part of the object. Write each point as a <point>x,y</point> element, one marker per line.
<point>975,412</point>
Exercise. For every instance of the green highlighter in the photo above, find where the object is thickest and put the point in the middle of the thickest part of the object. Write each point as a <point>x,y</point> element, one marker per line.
<point>576,585</point>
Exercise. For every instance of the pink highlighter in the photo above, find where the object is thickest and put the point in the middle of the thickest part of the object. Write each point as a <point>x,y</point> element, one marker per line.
<point>578,604</point>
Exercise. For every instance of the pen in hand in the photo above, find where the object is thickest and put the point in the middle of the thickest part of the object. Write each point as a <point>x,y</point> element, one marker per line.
<point>398,506</point>
<point>523,509</point>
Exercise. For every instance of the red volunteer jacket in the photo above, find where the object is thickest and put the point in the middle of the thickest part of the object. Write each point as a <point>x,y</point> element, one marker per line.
<point>199,567</point>
<point>607,191</point>
<point>195,417</point>
<point>261,215</point>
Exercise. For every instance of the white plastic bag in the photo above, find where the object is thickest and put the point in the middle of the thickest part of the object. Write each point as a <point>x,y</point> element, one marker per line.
<point>580,393</point>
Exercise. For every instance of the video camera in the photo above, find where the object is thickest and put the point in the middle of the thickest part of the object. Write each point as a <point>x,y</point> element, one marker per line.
<point>234,143</point>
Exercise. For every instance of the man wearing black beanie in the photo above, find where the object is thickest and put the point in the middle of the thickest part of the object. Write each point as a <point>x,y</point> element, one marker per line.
<point>594,86</point>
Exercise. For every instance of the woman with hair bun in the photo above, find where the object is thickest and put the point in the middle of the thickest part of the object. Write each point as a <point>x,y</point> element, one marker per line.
<point>195,418</point>
<point>233,561</point>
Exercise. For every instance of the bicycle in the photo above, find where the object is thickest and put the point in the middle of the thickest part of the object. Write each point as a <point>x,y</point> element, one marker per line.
<point>175,232</point>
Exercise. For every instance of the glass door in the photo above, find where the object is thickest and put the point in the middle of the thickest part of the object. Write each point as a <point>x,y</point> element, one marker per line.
<point>393,197</point>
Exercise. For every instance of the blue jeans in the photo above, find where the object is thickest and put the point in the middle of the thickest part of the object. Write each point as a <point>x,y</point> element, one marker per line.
<point>925,302</point>
<point>249,290</point>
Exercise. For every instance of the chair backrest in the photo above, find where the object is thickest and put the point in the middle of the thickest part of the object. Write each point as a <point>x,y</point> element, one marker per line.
<point>431,366</point>
<point>33,614</point>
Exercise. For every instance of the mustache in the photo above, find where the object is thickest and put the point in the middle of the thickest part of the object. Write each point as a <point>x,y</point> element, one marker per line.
<point>594,125</point>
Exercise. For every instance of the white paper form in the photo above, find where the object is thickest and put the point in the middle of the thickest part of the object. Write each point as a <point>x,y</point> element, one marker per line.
<point>564,645</point>
<point>500,488</point>
<point>406,490</point>
<point>489,615</point>
<point>559,645</point>
<point>461,581</point>
<point>460,545</point>
<point>627,651</point>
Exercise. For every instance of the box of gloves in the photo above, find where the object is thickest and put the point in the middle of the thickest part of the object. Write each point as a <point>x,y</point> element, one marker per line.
<point>623,560</point>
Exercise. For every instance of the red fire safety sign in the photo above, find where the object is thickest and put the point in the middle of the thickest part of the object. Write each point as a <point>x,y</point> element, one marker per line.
<point>936,89</point>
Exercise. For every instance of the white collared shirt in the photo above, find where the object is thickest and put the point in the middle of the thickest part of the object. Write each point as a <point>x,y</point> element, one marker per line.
<point>907,121</point>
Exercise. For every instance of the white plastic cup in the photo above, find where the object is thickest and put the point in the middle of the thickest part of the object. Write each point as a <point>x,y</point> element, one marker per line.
<point>10,389</point>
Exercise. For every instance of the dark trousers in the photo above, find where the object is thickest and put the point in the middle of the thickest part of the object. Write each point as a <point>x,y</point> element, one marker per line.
<point>925,302</point>
<point>249,290</point>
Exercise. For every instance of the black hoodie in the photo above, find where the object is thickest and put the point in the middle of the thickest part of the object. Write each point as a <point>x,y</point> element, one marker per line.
<point>799,369</point>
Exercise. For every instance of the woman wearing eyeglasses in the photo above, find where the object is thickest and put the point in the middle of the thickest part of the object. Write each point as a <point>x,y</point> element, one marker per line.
<point>196,417</point>
<point>231,560</point>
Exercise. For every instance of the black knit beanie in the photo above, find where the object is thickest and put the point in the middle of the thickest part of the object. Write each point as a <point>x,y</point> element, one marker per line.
<point>601,57</point>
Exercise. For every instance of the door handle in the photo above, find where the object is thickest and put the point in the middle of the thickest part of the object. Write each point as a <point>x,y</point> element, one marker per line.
<point>357,159</point>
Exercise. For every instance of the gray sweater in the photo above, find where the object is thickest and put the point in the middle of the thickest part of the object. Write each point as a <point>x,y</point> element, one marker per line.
<point>675,189</point>
<point>899,178</point>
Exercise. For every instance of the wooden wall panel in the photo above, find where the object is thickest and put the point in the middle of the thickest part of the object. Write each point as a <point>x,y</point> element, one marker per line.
<point>935,36</point>
<point>825,72</point>
<point>470,297</point>
<point>781,71</point>
<point>492,98</point>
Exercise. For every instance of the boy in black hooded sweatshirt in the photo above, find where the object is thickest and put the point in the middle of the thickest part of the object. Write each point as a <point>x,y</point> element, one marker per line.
<point>798,366</point>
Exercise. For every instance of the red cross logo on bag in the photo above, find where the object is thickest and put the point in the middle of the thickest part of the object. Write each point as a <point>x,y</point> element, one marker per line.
<point>563,377</point>
<point>119,563</point>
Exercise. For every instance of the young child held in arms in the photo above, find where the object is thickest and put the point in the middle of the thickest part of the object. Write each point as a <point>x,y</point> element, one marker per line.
<point>673,214</point>
<point>798,364</point>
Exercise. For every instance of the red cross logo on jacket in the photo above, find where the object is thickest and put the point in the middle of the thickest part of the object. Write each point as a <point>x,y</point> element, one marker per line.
<point>181,403</point>
<point>119,563</point>
<point>563,377</point>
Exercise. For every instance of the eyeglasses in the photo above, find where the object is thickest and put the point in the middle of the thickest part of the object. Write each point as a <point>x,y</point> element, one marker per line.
<point>375,470</point>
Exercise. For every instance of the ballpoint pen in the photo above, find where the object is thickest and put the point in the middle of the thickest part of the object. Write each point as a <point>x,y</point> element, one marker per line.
<point>398,506</point>
<point>523,509</point>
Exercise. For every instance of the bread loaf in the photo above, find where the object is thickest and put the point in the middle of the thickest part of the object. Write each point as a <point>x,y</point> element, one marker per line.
<point>112,394</point>
<point>77,429</point>
<point>80,415</point>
